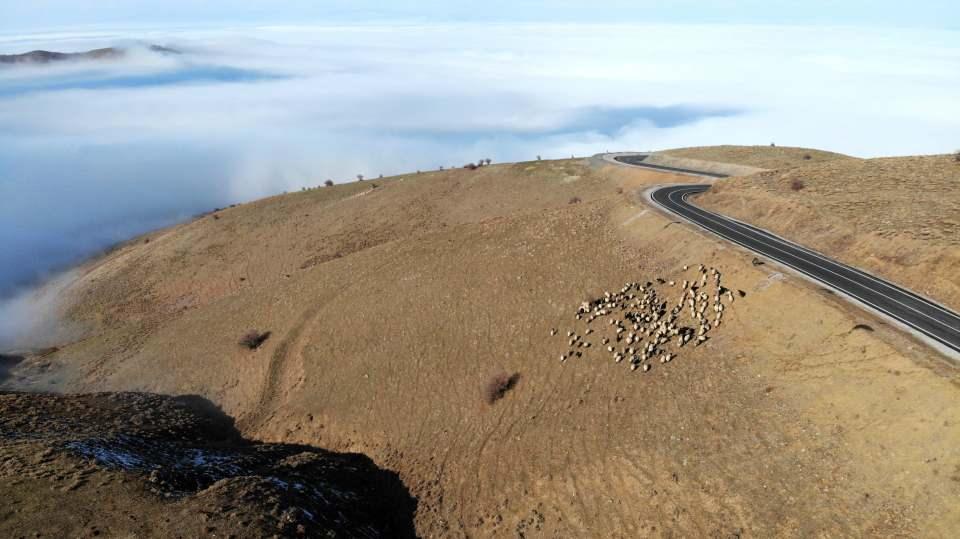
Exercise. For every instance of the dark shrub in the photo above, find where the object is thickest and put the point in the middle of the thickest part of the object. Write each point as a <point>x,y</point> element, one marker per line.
<point>807,157</point>
<point>470,166</point>
<point>574,200</point>
<point>956,156</point>
<point>253,339</point>
<point>499,385</point>
<point>328,183</point>
<point>619,190</point>
<point>797,185</point>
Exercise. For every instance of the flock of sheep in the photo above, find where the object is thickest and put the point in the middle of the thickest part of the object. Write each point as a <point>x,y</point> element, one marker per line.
<point>642,327</point>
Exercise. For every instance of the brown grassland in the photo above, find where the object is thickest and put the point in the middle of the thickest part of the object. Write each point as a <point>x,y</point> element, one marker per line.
<point>391,309</point>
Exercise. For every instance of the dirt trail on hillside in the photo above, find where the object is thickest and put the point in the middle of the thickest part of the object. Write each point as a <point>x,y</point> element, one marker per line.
<point>391,311</point>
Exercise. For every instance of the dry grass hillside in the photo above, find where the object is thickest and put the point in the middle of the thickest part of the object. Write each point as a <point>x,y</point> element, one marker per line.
<point>758,156</point>
<point>391,310</point>
<point>898,217</point>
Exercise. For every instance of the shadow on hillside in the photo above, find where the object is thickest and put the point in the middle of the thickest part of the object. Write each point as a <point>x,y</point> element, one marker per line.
<point>377,498</point>
<point>7,363</point>
<point>186,449</point>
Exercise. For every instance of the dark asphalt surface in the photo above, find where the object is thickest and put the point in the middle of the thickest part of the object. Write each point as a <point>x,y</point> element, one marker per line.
<point>638,161</point>
<point>935,321</point>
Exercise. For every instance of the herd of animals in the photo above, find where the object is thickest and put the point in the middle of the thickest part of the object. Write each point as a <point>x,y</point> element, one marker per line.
<point>643,326</point>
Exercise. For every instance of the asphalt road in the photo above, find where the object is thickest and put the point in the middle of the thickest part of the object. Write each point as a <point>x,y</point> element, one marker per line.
<point>936,322</point>
<point>637,160</point>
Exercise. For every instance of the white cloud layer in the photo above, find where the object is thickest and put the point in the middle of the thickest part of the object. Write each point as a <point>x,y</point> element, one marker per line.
<point>91,153</point>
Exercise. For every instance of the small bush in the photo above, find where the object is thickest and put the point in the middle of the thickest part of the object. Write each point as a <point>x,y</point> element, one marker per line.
<point>470,166</point>
<point>498,386</point>
<point>807,157</point>
<point>359,177</point>
<point>328,183</point>
<point>574,200</point>
<point>254,339</point>
<point>797,185</point>
<point>956,156</point>
<point>619,190</point>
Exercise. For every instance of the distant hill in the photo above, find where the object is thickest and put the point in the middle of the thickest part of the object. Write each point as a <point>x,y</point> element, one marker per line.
<point>46,57</point>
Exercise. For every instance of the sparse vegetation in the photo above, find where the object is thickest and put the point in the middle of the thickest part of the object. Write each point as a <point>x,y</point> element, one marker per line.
<point>797,185</point>
<point>328,183</point>
<point>470,166</point>
<point>574,200</point>
<point>619,190</point>
<point>807,157</point>
<point>956,156</point>
<point>254,339</point>
<point>498,386</point>
<point>488,161</point>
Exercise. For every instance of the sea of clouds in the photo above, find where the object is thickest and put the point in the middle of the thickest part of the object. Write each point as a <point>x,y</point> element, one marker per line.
<point>95,152</point>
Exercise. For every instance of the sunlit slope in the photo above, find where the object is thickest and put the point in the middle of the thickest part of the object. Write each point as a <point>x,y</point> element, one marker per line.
<point>898,217</point>
<point>391,307</point>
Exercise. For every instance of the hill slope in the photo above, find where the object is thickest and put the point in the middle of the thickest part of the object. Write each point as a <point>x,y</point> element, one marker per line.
<point>898,217</point>
<point>758,156</point>
<point>46,57</point>
<point>391,308</point>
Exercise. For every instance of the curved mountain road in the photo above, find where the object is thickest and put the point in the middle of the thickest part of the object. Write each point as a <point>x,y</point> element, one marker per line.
<point>935,322</point>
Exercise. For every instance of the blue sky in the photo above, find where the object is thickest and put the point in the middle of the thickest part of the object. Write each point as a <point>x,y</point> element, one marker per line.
<point>59,14</point>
